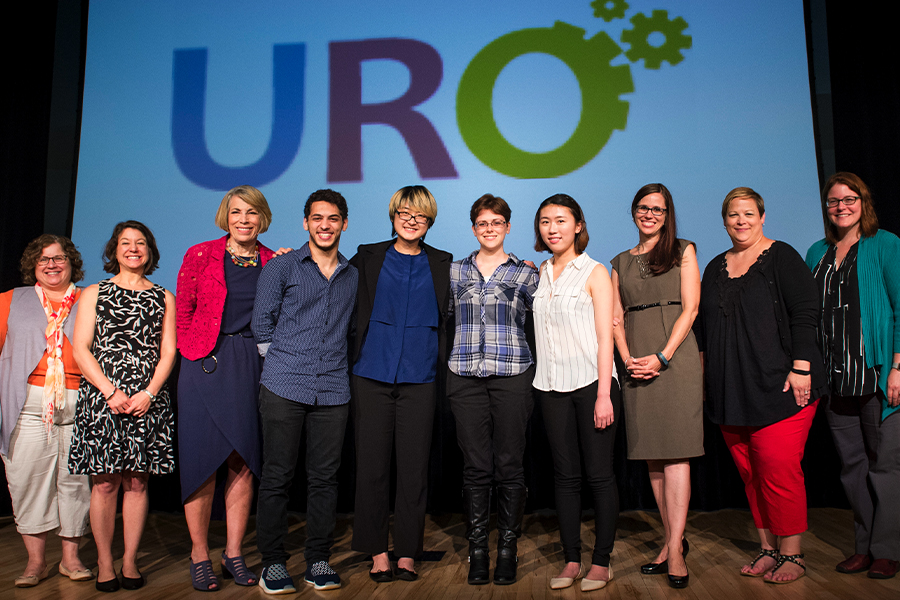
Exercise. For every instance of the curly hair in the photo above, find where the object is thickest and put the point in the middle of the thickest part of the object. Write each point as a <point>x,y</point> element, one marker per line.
<point>111,263</point>
<point>35,249</point>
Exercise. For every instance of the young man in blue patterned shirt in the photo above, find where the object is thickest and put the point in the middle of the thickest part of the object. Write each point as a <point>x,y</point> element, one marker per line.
<point>304,304</point>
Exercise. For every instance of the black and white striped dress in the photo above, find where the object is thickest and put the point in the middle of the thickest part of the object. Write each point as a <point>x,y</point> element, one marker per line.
<point>126,344</point>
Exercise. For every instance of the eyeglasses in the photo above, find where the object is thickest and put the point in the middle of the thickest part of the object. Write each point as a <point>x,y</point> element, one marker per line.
<point>483,225</point>
<point>60,259</point>
<point>848,201</point>
<point>407,216</point>
<point>656,211</point>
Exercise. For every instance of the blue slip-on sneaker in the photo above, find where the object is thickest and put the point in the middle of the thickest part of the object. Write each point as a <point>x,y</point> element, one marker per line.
<point>321,576</point>
<point>276,580</point>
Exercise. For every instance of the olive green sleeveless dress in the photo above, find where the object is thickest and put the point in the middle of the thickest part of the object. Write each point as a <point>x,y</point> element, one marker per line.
<point>664,415</point>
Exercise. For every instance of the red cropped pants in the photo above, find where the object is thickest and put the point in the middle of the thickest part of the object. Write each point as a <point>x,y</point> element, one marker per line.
<point>768,459</point>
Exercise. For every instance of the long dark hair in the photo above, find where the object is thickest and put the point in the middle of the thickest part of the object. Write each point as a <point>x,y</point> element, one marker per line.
<point>666,254</point>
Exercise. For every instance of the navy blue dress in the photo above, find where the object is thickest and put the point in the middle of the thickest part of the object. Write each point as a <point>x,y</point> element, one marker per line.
<point>217,395</point>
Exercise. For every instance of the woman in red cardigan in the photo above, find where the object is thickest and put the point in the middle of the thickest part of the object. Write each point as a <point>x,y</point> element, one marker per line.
<point>219,380</point>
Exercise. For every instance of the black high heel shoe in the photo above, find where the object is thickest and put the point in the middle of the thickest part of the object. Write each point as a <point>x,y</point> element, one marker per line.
<point>663,567</point>
<point>679,582</point>
<point>655,568</point>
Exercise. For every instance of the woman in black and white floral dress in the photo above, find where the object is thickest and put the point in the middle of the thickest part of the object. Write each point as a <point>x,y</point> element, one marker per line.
<point>125,346</point>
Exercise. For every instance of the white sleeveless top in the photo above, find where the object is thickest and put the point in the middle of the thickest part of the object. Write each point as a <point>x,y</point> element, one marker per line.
<point>564,329</point>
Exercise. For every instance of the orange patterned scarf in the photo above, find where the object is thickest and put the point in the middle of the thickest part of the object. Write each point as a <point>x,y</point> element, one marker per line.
<point>55,380</point>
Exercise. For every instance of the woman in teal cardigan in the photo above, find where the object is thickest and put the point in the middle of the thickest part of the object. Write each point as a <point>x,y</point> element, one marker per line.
<point>857,267</point>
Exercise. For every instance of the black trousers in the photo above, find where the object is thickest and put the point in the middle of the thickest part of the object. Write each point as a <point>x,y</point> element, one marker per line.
<point>386,415</point>
<point>282,426</point>
<point>491,417</point>
<point>569,420</point>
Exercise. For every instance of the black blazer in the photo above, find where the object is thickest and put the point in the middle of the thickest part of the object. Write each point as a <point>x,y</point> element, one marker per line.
<point>368,260</point>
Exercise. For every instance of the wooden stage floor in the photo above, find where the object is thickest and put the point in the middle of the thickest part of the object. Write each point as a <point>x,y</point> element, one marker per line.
<point>720,542</point>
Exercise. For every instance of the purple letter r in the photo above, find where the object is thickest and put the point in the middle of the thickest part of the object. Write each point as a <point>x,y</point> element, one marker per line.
<point>347,113</point>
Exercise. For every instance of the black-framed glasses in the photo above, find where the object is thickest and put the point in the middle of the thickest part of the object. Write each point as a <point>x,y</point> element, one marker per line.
<point>656,211</point>
<point>407,216</point>
<point>59,259</point>
<point>483,225</point>
<point>847,201</point>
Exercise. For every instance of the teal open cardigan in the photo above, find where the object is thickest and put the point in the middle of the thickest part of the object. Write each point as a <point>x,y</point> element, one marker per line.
<point>878,271</point>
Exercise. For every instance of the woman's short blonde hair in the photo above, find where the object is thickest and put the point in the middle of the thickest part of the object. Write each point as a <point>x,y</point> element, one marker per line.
<point>251,196</point>
<point>743,192</point>
<point>418,198</point>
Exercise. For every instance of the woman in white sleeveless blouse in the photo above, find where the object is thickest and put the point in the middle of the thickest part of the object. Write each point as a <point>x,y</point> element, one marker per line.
<point>576,384</point>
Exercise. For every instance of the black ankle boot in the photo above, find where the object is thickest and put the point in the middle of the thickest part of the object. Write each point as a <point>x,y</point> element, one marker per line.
<point>478,510</point>
<point>510,508</point>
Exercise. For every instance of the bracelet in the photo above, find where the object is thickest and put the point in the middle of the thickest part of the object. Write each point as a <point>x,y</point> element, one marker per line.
<point>112,393</point>
<point>895,366</point>
<point>627,359</point>
<point>662,360</point>
<point>799,371</point>
<point>152,397</point>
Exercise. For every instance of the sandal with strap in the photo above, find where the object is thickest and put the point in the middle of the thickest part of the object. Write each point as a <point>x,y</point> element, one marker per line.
<point>235,568</point>
<point>763,552</point>
<point>794,558</point>
<point>202,576</point>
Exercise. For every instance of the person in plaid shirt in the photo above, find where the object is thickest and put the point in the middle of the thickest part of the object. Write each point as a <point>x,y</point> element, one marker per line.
<point>489,385</point>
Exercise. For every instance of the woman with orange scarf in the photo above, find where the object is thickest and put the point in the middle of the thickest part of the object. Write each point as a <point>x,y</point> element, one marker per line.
<point>38,391</point>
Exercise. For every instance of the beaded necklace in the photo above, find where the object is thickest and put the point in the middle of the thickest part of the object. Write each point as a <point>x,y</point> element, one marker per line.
<point>243,261</point>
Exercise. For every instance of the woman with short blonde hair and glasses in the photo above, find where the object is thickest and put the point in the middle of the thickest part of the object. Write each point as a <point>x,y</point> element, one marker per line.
<point>398,358</point>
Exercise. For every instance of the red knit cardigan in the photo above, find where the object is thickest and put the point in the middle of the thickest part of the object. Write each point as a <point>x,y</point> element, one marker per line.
<point>200,297</point>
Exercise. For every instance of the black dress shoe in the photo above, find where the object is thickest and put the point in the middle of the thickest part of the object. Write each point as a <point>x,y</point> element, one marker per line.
<point>132,583</point>
<point>663,567</point>
<point>655,568</point>
<point>381,576</point>
<point>107,586</point>
<point>678,581</point>
<point>405,574</point>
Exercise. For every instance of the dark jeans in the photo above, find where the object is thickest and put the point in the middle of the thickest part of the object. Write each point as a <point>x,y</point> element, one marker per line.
<point>870,471</point>
<point>386,415</point>
<point>282,424</point>
<point>569,420</point>
<point>491,417</point>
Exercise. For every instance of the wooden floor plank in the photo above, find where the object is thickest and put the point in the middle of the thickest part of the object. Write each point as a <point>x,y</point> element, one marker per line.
<point>720,543</point>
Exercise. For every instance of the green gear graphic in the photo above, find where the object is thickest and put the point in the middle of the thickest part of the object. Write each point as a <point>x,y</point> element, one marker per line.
<point>601,109</point>
<point>670,51</point>
<point>609,9</point>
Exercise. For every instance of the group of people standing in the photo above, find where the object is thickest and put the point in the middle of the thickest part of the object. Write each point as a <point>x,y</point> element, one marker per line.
<point>759,342</point>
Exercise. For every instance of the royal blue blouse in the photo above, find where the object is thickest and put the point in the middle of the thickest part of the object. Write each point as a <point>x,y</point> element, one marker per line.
<point>401,344</point>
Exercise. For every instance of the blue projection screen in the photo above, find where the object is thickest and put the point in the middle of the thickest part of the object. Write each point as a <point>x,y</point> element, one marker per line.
<point>521,99</point>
